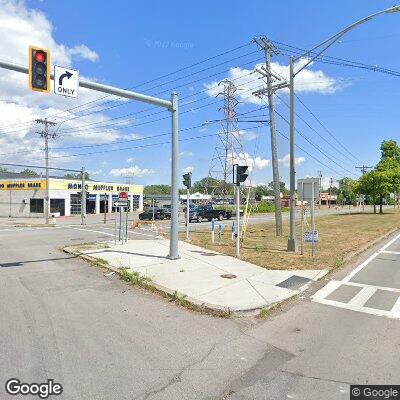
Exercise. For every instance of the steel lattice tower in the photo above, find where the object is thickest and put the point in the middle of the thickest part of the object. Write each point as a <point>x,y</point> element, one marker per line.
<point>228,148</point>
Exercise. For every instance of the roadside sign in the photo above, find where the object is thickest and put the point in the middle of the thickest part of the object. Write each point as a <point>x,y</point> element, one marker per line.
<point>66,82</point>
<point>120,204</point>
<point>308,236</point>
<point>305,188</point>
<point>123,196</point>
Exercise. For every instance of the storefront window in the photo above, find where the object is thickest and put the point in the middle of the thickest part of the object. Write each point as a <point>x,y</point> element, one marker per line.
<point>36,206</point>
<point>75,204</point>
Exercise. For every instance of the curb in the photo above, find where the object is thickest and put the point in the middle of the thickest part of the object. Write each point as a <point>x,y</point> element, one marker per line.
<point>186,301</point>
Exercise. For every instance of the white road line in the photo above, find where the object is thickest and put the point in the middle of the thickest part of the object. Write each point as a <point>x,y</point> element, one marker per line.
<point>327,290</point>
<point>365,310</point>
<point>366,262</point>
<point>390,242</point>
<point>112,229</point>
<point>390,252</point>
<point>133,232</point>
<point>373,286</point>
<point>396,308</point>
<point>92,230</point>
<point>362,296</point>
<point>360,267</point>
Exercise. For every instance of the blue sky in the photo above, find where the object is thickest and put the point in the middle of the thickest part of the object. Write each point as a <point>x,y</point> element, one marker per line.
<point>129,43</point>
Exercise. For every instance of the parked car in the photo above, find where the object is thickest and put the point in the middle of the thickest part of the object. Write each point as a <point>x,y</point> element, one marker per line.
<point>208,212</point>
<point>159,213</point>
<point>167,210</point>
<point>192,206</point>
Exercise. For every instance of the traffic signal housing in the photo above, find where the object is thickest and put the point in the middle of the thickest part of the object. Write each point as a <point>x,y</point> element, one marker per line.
<point>39,69</point>
<point>187,180</point>
<point>239,174</point>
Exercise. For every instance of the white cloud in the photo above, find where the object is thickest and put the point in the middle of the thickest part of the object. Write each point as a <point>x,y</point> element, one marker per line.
<point>135,170</point>
<point>82,51</point>
<point>244,158</point>
<point>285,160</point>
<point>247,135</point>
<point>130,160</point>
<point>248,81</point>
<point>188,169</point>
<point>184,154</point>
<point>18,105</point>
<point>95,173</point>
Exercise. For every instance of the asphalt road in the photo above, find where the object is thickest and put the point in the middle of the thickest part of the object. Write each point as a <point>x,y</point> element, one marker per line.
<point>101,339</point>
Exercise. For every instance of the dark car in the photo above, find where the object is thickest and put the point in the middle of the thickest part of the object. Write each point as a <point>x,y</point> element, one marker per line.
<point>191,207</point>
<point>159,213</point>
<point>167,210</point>
<point>208,212</point>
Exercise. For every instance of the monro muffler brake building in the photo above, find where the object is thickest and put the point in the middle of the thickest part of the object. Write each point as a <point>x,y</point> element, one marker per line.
<point>24,197</point>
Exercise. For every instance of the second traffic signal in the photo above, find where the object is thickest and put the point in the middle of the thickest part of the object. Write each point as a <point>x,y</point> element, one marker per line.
<point>239,174</point>
<point>39,69</point>
<point>187,180</point>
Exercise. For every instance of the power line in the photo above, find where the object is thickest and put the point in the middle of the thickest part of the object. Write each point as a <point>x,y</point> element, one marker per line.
<point>319,135</point>
<point>314,145</point>
<point>147,82</point>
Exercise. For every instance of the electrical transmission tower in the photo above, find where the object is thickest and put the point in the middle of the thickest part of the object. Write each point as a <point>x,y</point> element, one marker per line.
<point>46,135</point>
<point>228,149</point>
<point>271,78</point>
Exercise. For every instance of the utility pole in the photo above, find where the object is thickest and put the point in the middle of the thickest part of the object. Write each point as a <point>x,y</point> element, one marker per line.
<point>330,191</point>
<point>270,90</point>
<point>45,133</point>
<point>320,188</point>
<point>364,169</point>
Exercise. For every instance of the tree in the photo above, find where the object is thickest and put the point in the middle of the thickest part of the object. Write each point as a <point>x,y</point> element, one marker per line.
<point>282,187</point>
<point>347,191</point>
<point>376,185</point>
<point>157,190</point>
<point>77,176</point>
<point>29,172</point>
<point>212,185</point>
<point>261,191</point>
<point>390,165</point>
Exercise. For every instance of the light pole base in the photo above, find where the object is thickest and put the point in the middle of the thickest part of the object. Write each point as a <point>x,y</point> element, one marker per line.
<point>173,257</point>
<point>291,245</point>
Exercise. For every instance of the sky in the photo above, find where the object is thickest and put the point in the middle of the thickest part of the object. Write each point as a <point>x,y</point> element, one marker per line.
<point>342,113</point>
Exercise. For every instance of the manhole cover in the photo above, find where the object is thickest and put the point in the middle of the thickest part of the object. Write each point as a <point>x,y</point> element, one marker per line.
<point>228,276</point>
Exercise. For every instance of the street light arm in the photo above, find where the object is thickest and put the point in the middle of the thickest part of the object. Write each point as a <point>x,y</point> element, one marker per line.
<point>332,39</point>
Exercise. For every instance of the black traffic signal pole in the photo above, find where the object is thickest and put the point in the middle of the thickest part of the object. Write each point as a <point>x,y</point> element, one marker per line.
<point>187,181</point>
<point>172,106</point>
<point>239,176</point>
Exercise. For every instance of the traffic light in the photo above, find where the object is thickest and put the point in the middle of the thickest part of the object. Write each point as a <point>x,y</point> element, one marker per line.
<point>239,174</point>
<point>39,69</point>
<point>187,180</point>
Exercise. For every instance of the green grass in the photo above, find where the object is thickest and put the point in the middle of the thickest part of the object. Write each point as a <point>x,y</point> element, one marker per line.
<point>134,278</point>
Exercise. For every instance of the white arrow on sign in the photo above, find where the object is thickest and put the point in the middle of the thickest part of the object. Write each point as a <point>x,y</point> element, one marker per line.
<point>66,82</point>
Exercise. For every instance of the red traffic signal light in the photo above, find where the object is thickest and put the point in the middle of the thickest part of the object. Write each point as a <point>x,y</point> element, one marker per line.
<point>39,69</point>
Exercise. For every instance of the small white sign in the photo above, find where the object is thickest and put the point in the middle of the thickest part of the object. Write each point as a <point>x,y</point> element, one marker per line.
<point>66,82</point>
<point>120,204</point>
<point>308,236</point>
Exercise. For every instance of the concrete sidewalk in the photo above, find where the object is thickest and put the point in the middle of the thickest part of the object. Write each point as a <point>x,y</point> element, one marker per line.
<point>207,278</point>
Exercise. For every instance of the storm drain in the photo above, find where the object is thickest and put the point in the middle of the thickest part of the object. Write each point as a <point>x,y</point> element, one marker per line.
<point>294,282</point>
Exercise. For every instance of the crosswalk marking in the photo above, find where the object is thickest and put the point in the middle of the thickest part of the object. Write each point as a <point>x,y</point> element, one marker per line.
<point>358,301</point>
<point>363,296</point>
